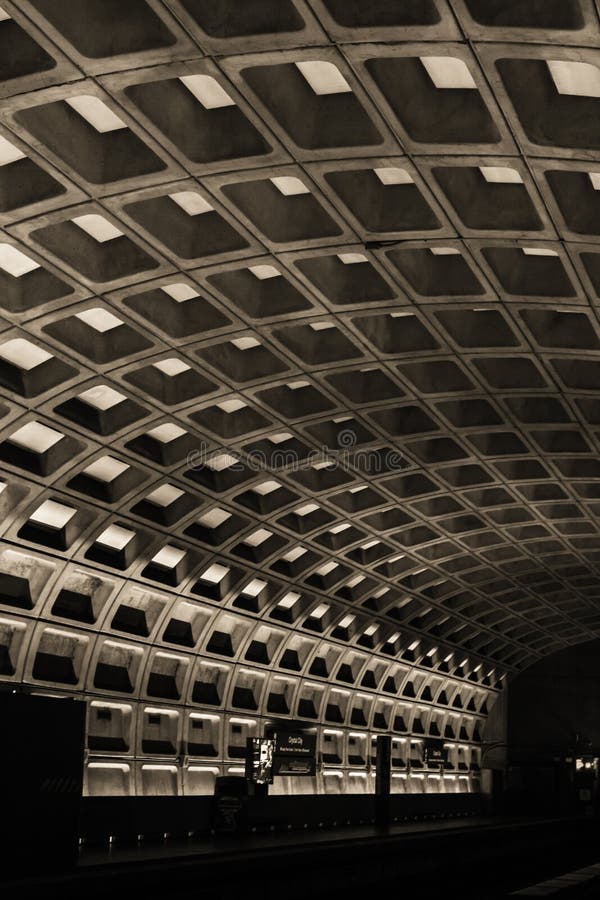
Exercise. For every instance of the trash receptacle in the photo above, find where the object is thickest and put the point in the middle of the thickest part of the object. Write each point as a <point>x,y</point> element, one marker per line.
<point>230,805</point>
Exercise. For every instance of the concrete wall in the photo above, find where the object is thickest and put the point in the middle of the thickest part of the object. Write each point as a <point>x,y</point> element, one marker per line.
<point>555,701</point>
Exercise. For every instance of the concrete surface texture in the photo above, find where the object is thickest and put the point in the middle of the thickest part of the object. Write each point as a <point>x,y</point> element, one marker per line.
<point>299,371</point>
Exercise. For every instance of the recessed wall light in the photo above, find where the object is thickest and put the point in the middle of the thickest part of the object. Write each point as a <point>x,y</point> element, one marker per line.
<point>221,461</point>
<point>191,202</point>
<point>172,366</point>
<point>215,573</point>
<point>165,495</point>
<point>102,397</point>
<point>280,438</point>
<point>289,185</point>
<point>97,227</point>
<point>393,175</point>
<point>289,600</point>
<point>96,113</point>
<point>106,469</point>
<point>8,152</point>
<point>353,582</point>
<point>306,509</point>
<point>99,319</point>
<point>320,610</point>
<point>231,406</point>
<point>167,432</point>
<point>397,558</point>
<point>294,554</point>
<point>337,529</point>
<point>266,487</point>
<point>538,251</point>
<point>577,79</point>
<point>52,514</point>
<point>15,262</point>
<point>264,272</point>
<point>180,292</point>
<point>323,77</point>
<point>115,537</point>
<point>352,259</point>
<point>501,175</point>
<point>245,343</point>
<point>214,517</point>
<point>169,557</point>
<point>253,589</point>
<point>23,354</point>
<point>257,537</point>
<point>448,72</point>
<point>207,91</point>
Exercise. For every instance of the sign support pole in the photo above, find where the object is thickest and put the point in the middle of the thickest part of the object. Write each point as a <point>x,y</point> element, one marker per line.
<point>383,779</point>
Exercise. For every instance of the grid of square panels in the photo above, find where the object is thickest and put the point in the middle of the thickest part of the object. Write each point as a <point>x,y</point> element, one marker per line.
<point>299,353</point>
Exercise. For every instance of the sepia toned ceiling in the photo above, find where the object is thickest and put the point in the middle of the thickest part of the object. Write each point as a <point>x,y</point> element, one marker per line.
<point>299,340</point>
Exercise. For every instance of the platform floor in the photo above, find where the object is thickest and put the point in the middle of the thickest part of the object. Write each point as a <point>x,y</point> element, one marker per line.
<point>272,842</point>
<point>484,857</point>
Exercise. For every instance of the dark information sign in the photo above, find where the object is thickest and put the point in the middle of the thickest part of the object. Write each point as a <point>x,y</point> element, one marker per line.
<point>295,753</point>
<point>295,743</point>
<point>436,754</point>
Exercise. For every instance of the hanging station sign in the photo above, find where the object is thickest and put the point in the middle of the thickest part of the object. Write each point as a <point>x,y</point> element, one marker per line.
<point>295,753</point>
<point>436,753</point>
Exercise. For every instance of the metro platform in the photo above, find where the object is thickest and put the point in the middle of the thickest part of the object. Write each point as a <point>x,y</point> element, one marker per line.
<point>431,858</point>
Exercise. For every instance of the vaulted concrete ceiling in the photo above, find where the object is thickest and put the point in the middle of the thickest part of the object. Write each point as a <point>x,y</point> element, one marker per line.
<point>299,341</point>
